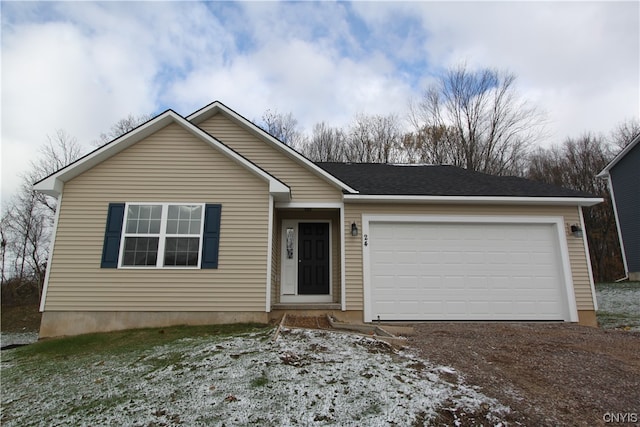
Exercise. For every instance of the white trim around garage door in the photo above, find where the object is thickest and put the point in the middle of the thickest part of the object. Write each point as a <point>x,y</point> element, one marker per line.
<point>557,222</point>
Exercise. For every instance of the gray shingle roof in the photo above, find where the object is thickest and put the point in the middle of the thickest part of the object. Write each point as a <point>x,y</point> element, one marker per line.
<point>421,180</point>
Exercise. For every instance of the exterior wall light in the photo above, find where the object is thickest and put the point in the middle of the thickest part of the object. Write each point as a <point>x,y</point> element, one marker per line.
<point>354,229</point>
<point>576,230</point>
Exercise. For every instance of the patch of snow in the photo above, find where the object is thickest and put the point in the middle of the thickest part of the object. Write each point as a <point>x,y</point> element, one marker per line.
<point>619,298</point>
<point>619,305</point>
<point>305,377</point>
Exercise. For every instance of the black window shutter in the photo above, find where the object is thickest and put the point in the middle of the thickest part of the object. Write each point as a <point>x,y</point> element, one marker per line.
<point>112,233</point>
<point>211,236</point>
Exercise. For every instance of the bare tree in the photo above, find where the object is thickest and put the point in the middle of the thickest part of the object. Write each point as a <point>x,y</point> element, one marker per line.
<point>3,247</point>
<point>27,219</point>
<point>373,139</point>
<point>284,127</point>
<point>122,126</point>
<point>58,151</point>
<point>386,134</point>
<point>493,126</point>
<point>430,145</point>
<point>625,132</point>
<point>326,144</point>
<point>26,231</point>
<point>575,165</point>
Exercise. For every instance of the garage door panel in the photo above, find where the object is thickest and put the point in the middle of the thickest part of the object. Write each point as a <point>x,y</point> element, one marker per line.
<point>456,308</point>
<point>478,308</point>
<point>465,271</point>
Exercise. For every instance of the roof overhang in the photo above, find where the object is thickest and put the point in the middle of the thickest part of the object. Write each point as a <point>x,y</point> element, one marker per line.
<point>54,183</point>
<point>605,172</point>
<point>217,107</point>
<point>477,200</point>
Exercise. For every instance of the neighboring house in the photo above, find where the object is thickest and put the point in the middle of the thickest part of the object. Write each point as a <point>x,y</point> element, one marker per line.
<point>209,219</point>
<point>623,175</point>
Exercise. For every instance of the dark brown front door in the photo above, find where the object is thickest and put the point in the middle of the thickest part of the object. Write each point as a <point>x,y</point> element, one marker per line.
<point>313,258</point>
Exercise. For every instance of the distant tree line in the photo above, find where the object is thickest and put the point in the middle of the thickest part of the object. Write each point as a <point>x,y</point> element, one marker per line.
<point>26,224</point>
<point>471,119</point>
<point>478,121</point>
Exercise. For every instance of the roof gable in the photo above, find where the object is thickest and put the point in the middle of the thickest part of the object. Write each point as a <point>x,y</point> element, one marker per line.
<point>54,183</point>
<point>219,108</point>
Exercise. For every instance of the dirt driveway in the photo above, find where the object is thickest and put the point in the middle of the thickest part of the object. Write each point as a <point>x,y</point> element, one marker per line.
<point>548,373</point>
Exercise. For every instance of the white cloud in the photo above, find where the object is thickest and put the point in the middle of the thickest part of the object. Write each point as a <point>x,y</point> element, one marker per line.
<point>579,61</point>
<point>55,76</point>
<point>82,66</point>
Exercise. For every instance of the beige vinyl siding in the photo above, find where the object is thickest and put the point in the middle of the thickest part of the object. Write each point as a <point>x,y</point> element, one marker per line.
<point>305,185</point>
<point>353,249</point>
<point>169,166</point>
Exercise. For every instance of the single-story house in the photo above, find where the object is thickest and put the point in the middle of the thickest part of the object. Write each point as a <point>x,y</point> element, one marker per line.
<point>209,219</point>
<point>623,176</point>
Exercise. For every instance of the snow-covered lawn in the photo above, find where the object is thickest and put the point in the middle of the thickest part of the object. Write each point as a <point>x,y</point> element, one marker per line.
<point>619,305</point>
<point>303,378</point>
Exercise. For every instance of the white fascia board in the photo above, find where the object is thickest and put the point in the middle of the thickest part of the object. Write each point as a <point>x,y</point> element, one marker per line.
<point>53,184</point>
<point>618,157</point>
<point>578,201</point>
<point>279,191</point>
<point>303,205</point>
<point>217,107</point>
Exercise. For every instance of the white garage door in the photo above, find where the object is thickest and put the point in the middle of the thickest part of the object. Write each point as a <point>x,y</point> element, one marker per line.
<point>465,271</point>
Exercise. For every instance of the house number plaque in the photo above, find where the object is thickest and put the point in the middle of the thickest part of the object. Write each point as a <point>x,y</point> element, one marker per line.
<point>366,240</point>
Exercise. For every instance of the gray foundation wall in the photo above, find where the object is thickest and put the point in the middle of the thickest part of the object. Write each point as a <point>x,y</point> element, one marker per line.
<point>61,323</point>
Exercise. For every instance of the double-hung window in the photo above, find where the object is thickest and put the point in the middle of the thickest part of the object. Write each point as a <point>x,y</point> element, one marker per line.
<point>162,235</point>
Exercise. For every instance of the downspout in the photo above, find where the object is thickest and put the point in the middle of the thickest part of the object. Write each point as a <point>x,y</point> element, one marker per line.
<point>615,213</point>
<point>343,287</point>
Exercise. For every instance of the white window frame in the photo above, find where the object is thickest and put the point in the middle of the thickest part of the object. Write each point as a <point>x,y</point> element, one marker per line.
<point>162,237</point>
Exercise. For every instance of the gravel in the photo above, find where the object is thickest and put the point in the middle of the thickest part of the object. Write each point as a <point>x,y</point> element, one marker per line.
<point>547,373</point>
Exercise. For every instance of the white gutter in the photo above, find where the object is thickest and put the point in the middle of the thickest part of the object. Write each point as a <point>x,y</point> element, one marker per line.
<point>618,229</point>
<point>495,200</point>
<point>343,259</point>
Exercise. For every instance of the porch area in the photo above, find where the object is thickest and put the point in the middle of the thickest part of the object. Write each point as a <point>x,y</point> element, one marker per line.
<point>306,270</point>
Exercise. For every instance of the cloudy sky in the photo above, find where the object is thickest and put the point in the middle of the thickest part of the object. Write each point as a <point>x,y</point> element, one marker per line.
<point>81,66</point>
